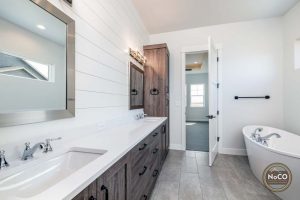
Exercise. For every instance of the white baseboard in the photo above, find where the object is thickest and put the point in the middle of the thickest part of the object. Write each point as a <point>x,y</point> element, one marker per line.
<point>176,147</point>
<point>231,151</point>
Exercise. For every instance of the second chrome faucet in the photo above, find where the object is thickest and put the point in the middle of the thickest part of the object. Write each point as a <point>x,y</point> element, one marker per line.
<point>45,146</point>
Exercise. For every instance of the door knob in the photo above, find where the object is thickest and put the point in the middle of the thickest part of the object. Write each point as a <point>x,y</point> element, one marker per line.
<point>211,116</point>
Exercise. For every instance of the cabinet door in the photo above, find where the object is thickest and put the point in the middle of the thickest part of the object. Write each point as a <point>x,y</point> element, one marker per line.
<point>89,193</point>
<point>113,184</point>
<point>163,143</point>
<point>167,136</point>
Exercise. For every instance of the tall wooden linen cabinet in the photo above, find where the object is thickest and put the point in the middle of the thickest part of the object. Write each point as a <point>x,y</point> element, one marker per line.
<point>156,86</point>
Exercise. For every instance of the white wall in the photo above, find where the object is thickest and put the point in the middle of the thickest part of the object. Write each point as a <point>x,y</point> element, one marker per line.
<point>291,75</point>
<point>251,65</point>
<point>105,29</point>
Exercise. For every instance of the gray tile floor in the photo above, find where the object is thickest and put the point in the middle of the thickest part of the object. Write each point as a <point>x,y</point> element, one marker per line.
<point>187,176</point>
<point>197,136</point>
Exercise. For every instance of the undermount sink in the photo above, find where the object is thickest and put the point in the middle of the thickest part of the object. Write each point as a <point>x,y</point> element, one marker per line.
<point>152,119</point>
<point>36,179</point>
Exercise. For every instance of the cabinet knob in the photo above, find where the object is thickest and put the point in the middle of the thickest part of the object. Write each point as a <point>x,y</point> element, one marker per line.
<point>92,198</point>
<point>155,134</point>
<point>155,151</point>
<point>143,172</point>
<point>155,173</point>
<point>143,147</point>
<point>154,91</point>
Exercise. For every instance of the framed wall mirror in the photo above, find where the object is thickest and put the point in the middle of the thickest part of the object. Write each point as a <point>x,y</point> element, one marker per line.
<point>37,63</point>
<point>136,91</point>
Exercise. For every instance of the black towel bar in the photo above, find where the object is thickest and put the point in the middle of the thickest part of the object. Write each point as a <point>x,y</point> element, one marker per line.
<point>265,97</point>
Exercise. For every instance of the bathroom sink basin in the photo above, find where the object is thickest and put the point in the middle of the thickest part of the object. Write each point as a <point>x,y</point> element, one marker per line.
<point>36,179</point>
<point>151,119</point>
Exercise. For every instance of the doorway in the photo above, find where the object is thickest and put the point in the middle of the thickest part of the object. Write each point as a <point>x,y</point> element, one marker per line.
<point>197,97</point>
<point>197,101</point>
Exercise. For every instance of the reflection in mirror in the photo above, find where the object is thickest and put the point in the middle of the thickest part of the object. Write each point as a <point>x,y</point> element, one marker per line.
<point>36,55</point>
<point>24,68</point>
<point>136,87</point>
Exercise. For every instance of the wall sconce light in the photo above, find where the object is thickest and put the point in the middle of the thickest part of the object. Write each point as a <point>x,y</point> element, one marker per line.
<point>137,56</point>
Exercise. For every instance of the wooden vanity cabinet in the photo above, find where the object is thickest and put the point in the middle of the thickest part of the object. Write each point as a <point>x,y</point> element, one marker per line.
<point>113,184</point>
<point>134,176</point>
<point>89,193</point>
<point>156,88</point>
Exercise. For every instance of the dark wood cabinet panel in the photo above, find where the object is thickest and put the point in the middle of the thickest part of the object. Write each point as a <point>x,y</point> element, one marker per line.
<point>89,193</point>
<point>113,183</point>
<point>156,80</point>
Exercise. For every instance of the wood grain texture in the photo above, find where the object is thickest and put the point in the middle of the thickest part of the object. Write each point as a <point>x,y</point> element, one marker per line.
<point>156,76</point>
<point>115,180</point>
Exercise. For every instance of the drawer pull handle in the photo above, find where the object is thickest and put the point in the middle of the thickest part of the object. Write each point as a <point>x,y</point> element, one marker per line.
<point>155,134</point>
<point>103,188</point>
<point>92,198</point>
<point>164,129</point>
<point>144,197</point>
<point>155,151</point>
<point>155,173</point>
<point>154,91</point>
<point>143,172</point>
<point>143,147</point>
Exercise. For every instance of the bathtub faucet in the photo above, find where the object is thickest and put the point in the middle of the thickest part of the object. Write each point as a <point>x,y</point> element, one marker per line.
<point>255,135</point>
<point>264,139</point>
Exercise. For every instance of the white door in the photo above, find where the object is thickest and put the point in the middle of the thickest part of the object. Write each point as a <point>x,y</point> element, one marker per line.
<point>213,101</point>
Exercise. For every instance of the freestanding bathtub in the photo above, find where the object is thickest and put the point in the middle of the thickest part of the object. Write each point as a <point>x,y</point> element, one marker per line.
<point>285,150</point>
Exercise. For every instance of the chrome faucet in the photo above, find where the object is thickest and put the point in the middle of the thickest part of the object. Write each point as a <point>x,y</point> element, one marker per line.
<point>48,146</point>
<point>3,162</point>
<point>28,152</point>
<point>269,136</point>
<point>264,139</point>
<point>140,116</point>
<point>255,135</point>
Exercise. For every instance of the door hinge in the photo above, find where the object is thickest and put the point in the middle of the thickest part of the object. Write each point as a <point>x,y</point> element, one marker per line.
<point>218,59</point>
<point>218,112</point>
<point>218,85</point>
<point>218,139</point>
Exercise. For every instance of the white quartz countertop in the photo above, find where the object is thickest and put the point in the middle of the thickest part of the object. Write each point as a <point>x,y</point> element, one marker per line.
<point>117,141</point>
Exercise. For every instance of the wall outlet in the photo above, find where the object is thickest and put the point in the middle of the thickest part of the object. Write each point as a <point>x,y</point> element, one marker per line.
<point>101,126</point>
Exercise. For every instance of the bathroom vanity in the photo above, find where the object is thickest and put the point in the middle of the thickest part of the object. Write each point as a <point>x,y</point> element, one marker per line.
<point>117,163</point>
<point>134,175</point>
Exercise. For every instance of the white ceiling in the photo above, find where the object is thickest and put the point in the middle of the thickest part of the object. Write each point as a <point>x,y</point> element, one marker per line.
<point>197,58</point>
<point>171,15</point>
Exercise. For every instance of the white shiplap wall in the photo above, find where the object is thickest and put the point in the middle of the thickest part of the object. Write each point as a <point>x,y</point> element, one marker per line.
<point>105,29</point>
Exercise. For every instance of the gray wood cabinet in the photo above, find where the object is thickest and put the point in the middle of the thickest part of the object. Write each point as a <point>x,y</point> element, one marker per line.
<point>134,176</point>
<point>156,80</point>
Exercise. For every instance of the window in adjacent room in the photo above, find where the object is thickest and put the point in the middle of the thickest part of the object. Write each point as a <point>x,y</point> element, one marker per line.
<point>197,95</point>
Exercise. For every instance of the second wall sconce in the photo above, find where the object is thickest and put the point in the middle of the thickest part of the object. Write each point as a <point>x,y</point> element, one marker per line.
<point>137,56</point>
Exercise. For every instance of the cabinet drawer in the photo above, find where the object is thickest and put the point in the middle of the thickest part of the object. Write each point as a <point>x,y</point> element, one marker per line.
<point>143,147</point>
<point>154,136</point>
<point>153,175</point>
<point>140,151</point>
